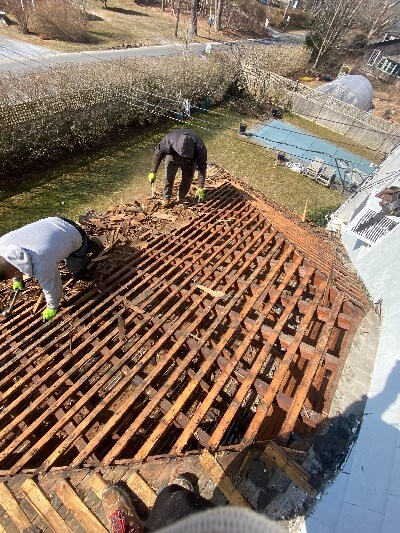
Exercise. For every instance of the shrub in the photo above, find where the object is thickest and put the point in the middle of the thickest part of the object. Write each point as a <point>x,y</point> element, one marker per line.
<point>245,16</point>
<point>60,19</point>
<point>47,113</point>
<point>321,216</point>
<point>21,11</point>
<point>286,59</point>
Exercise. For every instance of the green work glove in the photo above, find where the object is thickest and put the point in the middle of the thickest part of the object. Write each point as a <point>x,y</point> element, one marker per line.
<point>200,194</point>
<point>152,177</point>
<point>48,314</point>
<point>18,284</point>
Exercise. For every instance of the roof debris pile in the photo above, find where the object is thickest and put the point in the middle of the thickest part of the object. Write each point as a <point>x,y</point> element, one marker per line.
<point>203,326</point>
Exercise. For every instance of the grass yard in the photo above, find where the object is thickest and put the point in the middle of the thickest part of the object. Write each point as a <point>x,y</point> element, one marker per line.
<point>119,174</point>
<point>123,23</point>
<point>256,165</point>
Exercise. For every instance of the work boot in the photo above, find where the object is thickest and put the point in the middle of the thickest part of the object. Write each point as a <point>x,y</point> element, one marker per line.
<point>120,511</point>
<point>165,203</point>
<point>184,200</point>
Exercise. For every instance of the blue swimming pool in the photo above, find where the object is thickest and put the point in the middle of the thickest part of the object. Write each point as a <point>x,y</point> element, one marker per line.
<point>303,146</point>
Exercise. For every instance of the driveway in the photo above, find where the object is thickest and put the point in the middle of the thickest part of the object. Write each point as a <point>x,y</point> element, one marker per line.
<point>10,48</point>
<point>17,56</point>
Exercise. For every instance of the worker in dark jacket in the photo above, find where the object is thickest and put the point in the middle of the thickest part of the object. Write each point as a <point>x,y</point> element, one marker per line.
<point>182,149</point>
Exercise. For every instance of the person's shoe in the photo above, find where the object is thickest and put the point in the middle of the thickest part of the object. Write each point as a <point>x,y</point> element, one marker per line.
<point>185,482</point>
<point>165,203</point>
<point>120,511</point>
<point>184,200</point>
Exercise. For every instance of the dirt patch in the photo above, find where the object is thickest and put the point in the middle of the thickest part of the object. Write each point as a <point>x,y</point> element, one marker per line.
<point>387,104</point>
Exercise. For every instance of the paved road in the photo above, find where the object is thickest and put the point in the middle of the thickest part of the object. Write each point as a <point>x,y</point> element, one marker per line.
<point>17,56</point>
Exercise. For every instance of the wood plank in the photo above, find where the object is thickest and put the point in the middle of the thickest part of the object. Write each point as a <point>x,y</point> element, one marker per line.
<point>181,420</point>
<point>129,400</point>
<point>140,487</point>
<point>252,432</point>
<point>326,297</point>
<point>191,386</point>
<point>225,485</point>
<point>225,339</point>
<point>331,362</point>
<point>43,507</point>
<point>296,473</point>
<point>309,374</point>
<point>253,372</point>
<point>81,512</point>
<point>178,371</point>
<point>98,485</point>
<point>12,508</point>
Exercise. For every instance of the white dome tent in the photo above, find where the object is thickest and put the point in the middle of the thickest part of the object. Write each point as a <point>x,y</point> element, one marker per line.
<point>352,89</point>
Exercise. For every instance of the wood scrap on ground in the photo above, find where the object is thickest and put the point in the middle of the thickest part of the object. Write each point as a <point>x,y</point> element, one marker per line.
<point>217,473</point>
<point>293,470</point>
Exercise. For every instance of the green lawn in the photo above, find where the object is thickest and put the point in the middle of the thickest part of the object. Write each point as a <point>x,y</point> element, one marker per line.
<point>256,165</point>
<point>118,173</point>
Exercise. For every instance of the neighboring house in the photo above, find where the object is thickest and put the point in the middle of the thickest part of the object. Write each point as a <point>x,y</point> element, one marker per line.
<point>382,59</point>
<point>363,201</point>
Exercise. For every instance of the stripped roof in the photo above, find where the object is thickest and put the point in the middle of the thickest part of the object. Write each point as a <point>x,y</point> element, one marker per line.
<point>227,330</point>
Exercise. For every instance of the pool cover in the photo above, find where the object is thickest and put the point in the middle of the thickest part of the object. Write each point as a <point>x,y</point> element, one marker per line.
<point>304,146</point>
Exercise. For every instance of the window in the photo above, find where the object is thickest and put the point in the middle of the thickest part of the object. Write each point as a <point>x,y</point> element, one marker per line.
<point>374,56</point>
<point>382,63</point>
<point>386,65</point>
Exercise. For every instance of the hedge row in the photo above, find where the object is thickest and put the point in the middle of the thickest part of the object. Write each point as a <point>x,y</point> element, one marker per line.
<point>47,113</point>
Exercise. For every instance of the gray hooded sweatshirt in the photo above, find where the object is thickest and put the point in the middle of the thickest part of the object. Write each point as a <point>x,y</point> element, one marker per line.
<point>38,248</point>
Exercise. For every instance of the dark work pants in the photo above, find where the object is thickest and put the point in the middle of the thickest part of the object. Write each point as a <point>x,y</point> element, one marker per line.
<point>78,259</point>
<point>171,168</point>
<point>172,504</point>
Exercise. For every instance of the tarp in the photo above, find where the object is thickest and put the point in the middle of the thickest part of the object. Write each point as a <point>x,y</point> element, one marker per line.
<point>352,89</point>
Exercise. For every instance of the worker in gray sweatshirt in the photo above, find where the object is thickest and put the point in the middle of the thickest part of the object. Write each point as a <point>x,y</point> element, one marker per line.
<point>37,249</point>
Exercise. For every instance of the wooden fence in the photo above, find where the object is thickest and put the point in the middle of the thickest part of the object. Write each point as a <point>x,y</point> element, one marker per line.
<point>362,127</point>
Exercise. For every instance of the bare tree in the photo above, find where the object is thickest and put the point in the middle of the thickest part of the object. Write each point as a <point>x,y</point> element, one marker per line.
<point>21,10</point>
<point>219,10</point>
<point>193,17</point>
<point>332,21</point>
<point>377,17</point>
<point>178,13</point>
